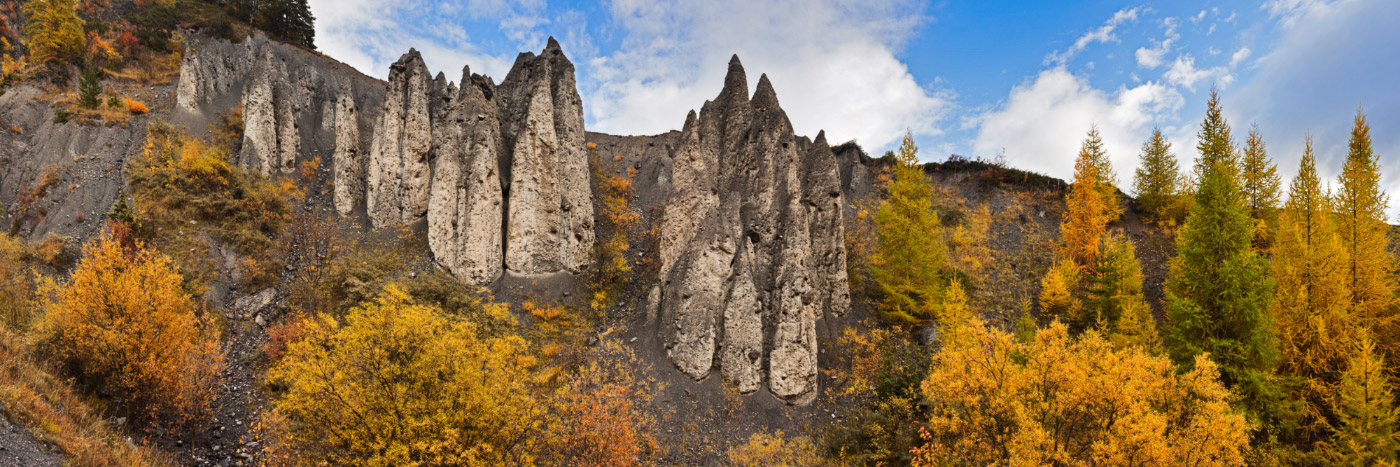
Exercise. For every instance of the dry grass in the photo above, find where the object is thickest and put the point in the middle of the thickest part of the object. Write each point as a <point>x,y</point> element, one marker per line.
<point>55,413</point>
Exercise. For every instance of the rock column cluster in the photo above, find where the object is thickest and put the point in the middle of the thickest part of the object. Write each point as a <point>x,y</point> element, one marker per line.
<point>499,172</point>
<point>751,244</point>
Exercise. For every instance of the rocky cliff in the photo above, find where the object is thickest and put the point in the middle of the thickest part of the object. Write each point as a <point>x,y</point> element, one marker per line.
<point>751,244</point>
<point>750,247</point>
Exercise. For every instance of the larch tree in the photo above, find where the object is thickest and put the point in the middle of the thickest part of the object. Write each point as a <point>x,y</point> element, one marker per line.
<point>1087,211</point>
<point>910,254</point>
<point>1360,204</point>
<point>1316,328</point>
<point>1105,178</point>
<point>1157,178</point>
<point>1261,185</point>
<point>54,32</point>
<point>1367,418</point>
<point>1218,293</point>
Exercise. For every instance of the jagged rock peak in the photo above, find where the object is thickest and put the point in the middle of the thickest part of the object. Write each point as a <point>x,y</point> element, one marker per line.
<point>751,246</point>
<point>764,97</point>
<point>398,173</point>
<point>735,83</point>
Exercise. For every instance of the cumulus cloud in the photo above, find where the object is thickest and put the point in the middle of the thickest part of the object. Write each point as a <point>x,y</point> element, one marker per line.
<point>371,34</point>
<point>1153,57</point>
<point>1183,72</point>
<point>1239,57</point>
<point>1043,121</point>
<point>1103,34</point>
<point>832,63</point>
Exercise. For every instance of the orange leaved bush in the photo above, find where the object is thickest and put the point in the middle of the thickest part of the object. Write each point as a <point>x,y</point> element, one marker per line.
<point>123,323</point>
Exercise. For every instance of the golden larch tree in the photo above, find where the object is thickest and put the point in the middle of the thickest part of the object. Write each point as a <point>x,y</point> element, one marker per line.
<point>54,31</point>
<point>1360,204</point>
<point>1316,328</point>
<point>1366,414</point>
<point>1087,211</point>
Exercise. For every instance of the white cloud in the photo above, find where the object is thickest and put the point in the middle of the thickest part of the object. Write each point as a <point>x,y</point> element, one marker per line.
<point>1103,34</point>
<point>1239,57</point>
<point>1183,72</point>
<point>832,63</point>
<point>1199,16</point>
<point>1156,55</point>
<point>370,35</point>
<point>1043,122</point>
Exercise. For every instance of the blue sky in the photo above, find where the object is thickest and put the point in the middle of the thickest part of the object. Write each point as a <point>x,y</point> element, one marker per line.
<point>1024,80</point>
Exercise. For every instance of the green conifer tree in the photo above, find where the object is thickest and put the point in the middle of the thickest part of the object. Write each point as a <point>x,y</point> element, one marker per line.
<point>1218,291</point>
<point>1261,189</point>
<point>1115,286</point>
<point>1157,178</point>
<point>909,256</point>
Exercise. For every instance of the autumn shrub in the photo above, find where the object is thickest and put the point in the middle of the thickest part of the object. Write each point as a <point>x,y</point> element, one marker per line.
<point>134,106</point>
<point>776,450</point>
<point>603,412</point>
<point>57,414</point>
<point>403,384</point>
<point>124,324</point>
<point>1060,400</point>
<point>177,179</point>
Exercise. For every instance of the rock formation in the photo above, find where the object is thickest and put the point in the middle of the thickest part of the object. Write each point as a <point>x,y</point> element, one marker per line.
<point>751,245</point>
<point>466,210</point>
<point>500,173</point>
<point>398,171</point>
<point>550,213</point>
<point>348,160</point>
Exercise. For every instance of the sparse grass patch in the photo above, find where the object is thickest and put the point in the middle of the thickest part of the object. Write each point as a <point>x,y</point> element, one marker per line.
<point>56,413</point>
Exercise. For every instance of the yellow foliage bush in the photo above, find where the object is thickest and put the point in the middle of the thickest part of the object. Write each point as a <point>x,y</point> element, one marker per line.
<point>123,322</point>
<point>1074,402</point>
<point>403,384</point>
<point>775,450</point>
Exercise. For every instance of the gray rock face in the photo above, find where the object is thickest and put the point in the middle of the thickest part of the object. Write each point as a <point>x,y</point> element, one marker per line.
<point>348,160</point>
<point>466,208</point>
<point>398,174</point>
<point>550,210</point>
<point>751,249</point>
<point>270,139</point>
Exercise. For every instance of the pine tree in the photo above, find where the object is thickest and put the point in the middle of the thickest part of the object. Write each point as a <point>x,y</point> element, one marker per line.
<point>1361,206</point>
<point>1115,285</point>
<point>1261,189</point>
<point>1218,292</point>
<point>1216,146</point>
<point>1105,178</point>
<point>1316,328</point>
<point>1087,211</point>
<point>907,265</point>
<point>287,20</point>
<point>1366,431</point>
<point>1157,178</point>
